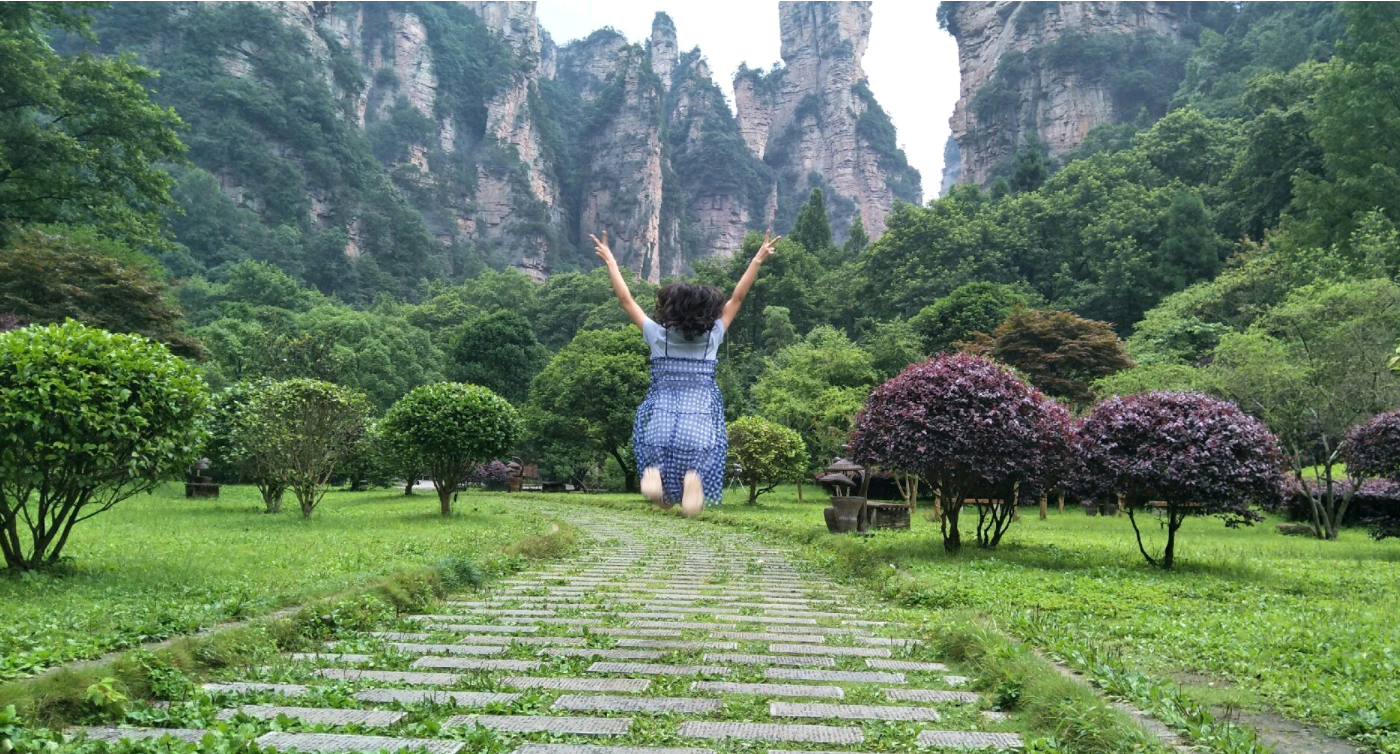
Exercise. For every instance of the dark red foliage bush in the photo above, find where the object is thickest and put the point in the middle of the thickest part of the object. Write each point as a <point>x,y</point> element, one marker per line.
<point>970,429</point>
<point>1372,449</point>
<point>493,474</point>
<point>1197,455</point>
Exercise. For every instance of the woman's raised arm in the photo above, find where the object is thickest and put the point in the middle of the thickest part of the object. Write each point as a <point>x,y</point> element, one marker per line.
<point>741,289</point>
<point>624,295</point>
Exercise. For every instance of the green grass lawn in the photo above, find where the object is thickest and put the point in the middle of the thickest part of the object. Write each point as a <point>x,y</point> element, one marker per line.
<point>1250,618</point>
<point>160,565</point>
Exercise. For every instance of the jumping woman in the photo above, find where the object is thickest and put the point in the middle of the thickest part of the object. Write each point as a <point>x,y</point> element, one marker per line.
<point>678,435</point>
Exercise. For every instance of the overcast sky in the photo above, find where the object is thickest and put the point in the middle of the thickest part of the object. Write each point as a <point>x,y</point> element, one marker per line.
<point>912,64</point>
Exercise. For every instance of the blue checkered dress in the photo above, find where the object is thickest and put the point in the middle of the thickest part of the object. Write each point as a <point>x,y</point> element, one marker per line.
<point>680,424</point>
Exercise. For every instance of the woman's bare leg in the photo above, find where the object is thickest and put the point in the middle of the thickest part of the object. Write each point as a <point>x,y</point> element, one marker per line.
<point>651,484</point>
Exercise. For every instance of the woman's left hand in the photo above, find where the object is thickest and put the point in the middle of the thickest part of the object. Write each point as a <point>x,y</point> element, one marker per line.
<point>601,249</point>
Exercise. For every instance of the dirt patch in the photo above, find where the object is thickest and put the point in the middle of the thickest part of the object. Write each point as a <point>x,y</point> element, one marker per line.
<point>1288,736</point>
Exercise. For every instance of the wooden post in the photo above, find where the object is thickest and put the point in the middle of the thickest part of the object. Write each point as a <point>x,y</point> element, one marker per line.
<point>913,492</point>
<point>1062,501</point>
<point>1044,506</point>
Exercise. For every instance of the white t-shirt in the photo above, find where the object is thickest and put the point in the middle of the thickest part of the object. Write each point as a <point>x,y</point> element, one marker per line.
<point>664,342</point>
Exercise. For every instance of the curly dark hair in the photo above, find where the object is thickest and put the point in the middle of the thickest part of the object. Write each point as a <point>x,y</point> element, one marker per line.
<point>689,308</point>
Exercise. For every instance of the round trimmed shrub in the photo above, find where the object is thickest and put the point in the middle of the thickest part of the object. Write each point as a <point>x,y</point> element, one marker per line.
<point>88,418</point>
<point>763,454</point>
<point>453,427</point>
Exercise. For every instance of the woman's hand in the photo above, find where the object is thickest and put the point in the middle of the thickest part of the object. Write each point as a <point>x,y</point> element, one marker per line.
<point>766,250</point>
<point>601,249</point>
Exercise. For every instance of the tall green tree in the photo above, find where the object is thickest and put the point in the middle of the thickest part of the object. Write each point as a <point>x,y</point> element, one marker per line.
<point>857,239</point>
<point>498,351</point>
<point>1356,113</point>
<point>587,396</point>
<point>811,230</point>
<point>49,277</point>
<point>815,387</point>
<point>80,140</point>
<point>968,309</point>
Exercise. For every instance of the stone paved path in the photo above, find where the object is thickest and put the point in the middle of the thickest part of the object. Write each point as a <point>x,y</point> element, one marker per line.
<point>654,641</point>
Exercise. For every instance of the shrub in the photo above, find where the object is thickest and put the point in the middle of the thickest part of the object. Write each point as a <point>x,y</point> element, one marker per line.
<point>453,427</point>
<point>89,418</point>
<point>764,453</point>
<point>1373,450</point>
<point>969,428</point>
<point>1059,352</point>
<point>491,475</point>
<point>1200,455</point>
<point>301,431</point>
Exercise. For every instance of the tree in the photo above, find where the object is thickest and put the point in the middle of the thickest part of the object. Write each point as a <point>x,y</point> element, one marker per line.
<point>815,387</point>
<point>1198,455</point>
<point>778,332</point>
<point>452,428</point>
<point>231,460</point>
<point>764,453</point>
<point>1354,104</point>
<point>585,399</point>
<point>969,429</point>
<point>80,140</point>
<point>1311,368</point>
<point>1030,167</point>
<point>300,431</point>
<point>857,239</point>
<point>498,351</point>
<point>89,418</point>
<point>811,230</point>
<point>893,346</point>
<point>971,308</point>
<point>1059,352</point>
<point>49,277</point>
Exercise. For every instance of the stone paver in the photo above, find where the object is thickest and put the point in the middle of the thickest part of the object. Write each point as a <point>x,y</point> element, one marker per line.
<point>578,726</point>
<point>329,657</point>
<point>643,668</point>
<point>931,696</point>
<point>595,749</point>
<point>450,649</point>
<point>635,685</point>
<point>830,651</point>
<point>918,667</point>
<point>392,676</point>
<point>951,739</point>
<point>412,696</point>
<point>544,641</point>
<point>366,717</point>
<point>332,742</point>
<point>474,663</point>
<point>598,703</point>
<point>658,633</point>
<point>648,643</point>
<point>400,636</point>
<point>772,732</point>
<point>607,654</point>
<point>850,711</point>
<point>751,636</point>
<point>285,689</point>
<point>193,735</point>
<point>771,689</point>
<point>835,676</point>
<point>483,628</point>
<point>744,659</point>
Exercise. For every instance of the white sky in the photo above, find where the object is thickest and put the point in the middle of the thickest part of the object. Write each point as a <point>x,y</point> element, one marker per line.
<point>912,64</point>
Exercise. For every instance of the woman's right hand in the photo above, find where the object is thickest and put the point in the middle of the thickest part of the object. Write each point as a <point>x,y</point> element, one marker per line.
<point>601,249</point>
<point>766,249</point>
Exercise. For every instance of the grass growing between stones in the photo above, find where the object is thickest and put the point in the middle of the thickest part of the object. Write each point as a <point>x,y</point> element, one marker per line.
<point>162,565</point>
<point>1250,618</point>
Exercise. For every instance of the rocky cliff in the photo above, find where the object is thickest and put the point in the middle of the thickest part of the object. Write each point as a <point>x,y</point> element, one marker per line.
<point>1056,70</point>
<point>429,138</point>
<point>816,124</point>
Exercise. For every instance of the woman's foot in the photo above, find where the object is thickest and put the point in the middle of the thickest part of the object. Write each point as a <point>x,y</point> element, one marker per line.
<point>651,485</point>
<point>692,495</point>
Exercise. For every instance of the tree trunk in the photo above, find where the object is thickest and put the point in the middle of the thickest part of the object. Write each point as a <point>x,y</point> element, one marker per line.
<point>1174,522</point>
<point>408,487</point>
<point>952,538</point>
<point>799,489</point>
<point>1044,506</point>
<point>753,493</point>
<point>1061,501</point>
<point>629,474</point>
<point>444,498</point>
<point>1138,533</point>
